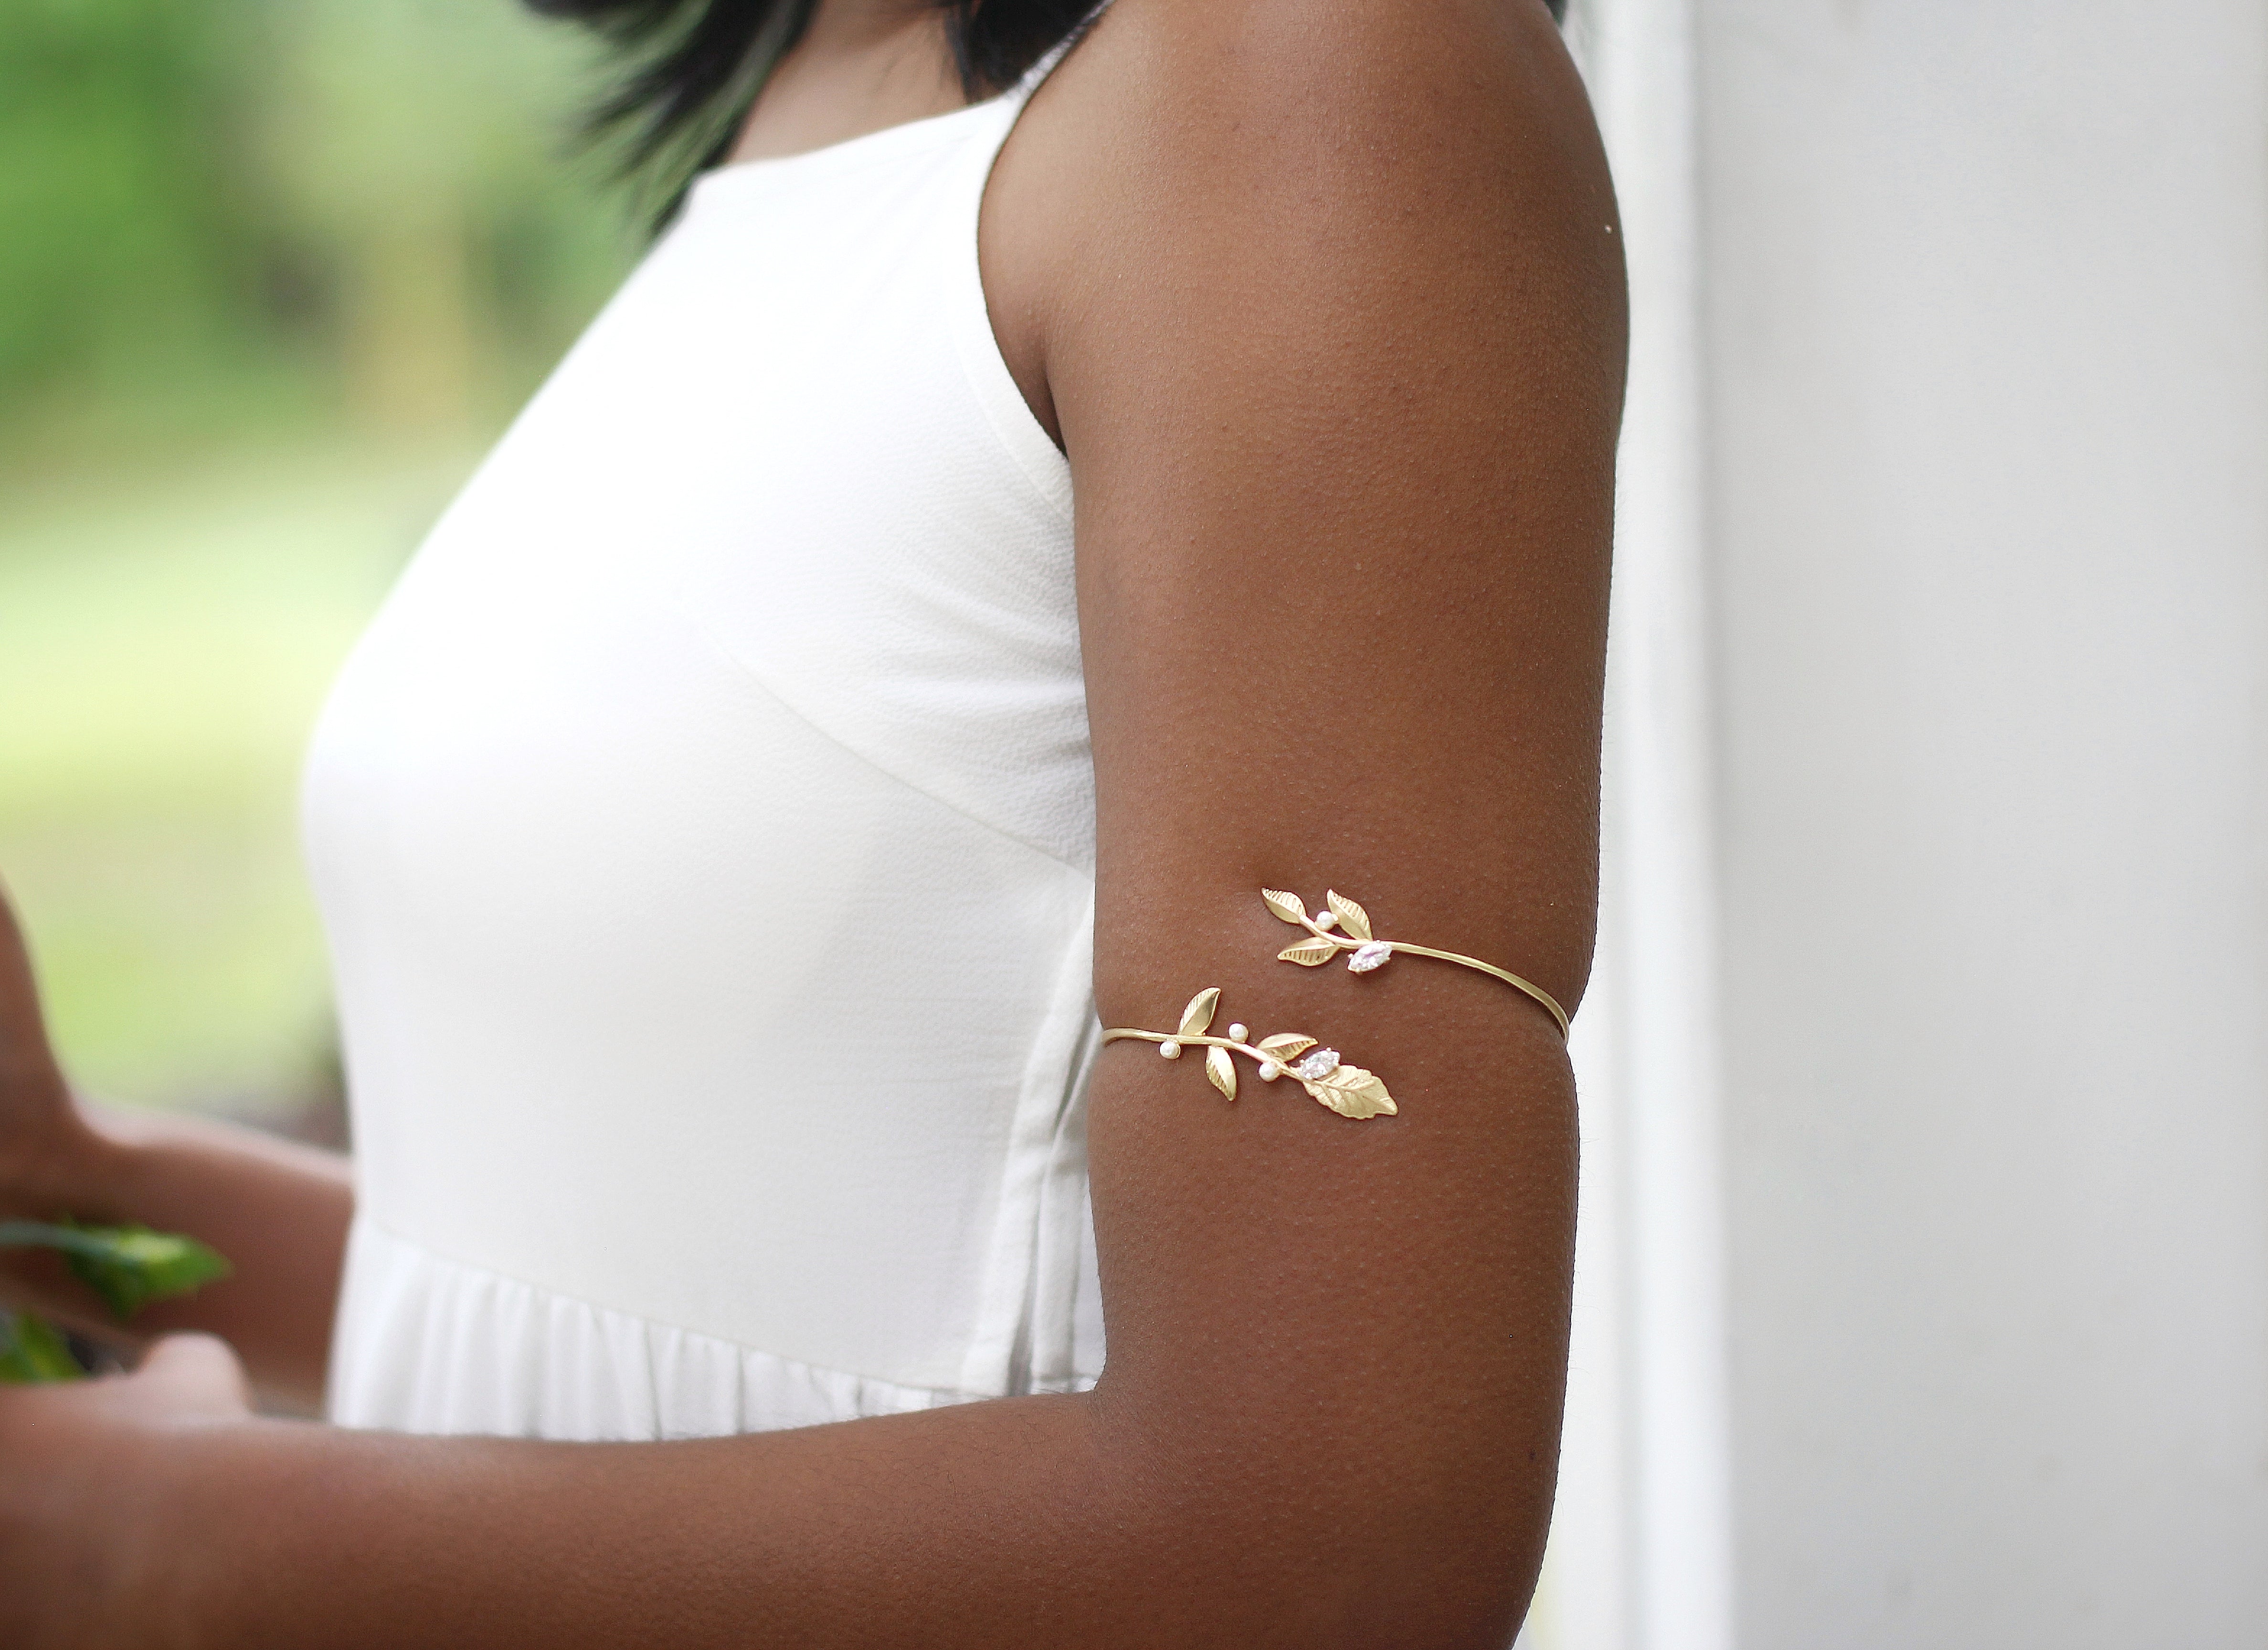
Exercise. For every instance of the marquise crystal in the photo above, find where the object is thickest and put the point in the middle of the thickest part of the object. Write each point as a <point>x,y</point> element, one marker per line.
<point>1342,924</point>
<point>1329,1081</point>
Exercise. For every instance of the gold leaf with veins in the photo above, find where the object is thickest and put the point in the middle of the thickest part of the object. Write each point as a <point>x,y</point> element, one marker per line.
<point>1222,1071</point>
<point>1351,1092</point>
<point>1286,1046</point>
<point>1309,953</point>
<point>1289,907</point>
<point>1353,920</point>
<point>1199,1015</point>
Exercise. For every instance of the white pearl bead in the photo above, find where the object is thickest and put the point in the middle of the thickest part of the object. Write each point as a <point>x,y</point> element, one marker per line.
<point>1327,920</point>
<point>1270,1071</point>
<point>1238,1034</point>
<point>1170,1050</point>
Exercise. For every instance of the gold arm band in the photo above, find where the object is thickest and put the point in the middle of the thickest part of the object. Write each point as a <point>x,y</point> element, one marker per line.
<point>1346,1089</point>
<point>1344,926</point>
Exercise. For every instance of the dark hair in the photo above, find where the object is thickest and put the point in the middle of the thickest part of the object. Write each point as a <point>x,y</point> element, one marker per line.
<point>697,64</point>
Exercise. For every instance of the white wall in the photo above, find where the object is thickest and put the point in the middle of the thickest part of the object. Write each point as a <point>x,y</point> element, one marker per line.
<point>1982,355</point>
<point>1985,292</point>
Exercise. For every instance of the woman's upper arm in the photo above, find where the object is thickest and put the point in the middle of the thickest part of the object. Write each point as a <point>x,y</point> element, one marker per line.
<point>1325,298</point>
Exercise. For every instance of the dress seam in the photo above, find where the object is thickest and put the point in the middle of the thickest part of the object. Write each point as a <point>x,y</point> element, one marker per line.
<point>751,674</point>
<point>461,1263</point>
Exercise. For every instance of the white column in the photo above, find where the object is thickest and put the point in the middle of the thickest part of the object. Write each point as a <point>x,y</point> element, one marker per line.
<point>1642,1556</point>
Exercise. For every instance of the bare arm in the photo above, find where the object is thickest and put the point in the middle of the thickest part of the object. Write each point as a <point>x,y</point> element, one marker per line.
<point>1326,312</point>
<point>279,1212</point>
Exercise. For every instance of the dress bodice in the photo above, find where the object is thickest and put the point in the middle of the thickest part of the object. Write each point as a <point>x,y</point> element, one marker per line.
<point>704,832</point>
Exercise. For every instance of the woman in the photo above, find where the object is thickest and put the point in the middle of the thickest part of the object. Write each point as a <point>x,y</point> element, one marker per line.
<point>709,831</point>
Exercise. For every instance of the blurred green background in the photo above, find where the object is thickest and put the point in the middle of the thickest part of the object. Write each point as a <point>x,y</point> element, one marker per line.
<point>272,275</point>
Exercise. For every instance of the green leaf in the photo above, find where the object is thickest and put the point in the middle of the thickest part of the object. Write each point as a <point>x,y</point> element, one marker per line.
<point>32,1352</point>
<point>128,1266</point>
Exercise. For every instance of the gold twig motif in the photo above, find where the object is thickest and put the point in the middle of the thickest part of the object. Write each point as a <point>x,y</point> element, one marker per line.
<point>1344,926</point>
<point>1346,1089</point>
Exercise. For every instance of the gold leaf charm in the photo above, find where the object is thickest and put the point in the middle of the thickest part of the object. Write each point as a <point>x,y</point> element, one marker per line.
<point>1288,908</point>
<point>1345,926</point>
<point>1351,1092</point>
<point>1354,922</point>
<point>1345,1090</point>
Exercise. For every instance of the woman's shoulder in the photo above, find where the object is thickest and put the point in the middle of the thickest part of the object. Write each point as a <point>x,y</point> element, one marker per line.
<point>1383,85</point>
<point>1200,153</point>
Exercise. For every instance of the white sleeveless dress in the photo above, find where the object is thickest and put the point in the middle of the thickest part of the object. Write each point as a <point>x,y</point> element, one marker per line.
<point>704,831</point>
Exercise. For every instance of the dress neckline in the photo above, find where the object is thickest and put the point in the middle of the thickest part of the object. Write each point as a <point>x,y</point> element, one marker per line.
<point>907,136</point>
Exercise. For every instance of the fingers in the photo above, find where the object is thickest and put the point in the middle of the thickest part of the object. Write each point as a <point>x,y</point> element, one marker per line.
<point>194,1378</point>
<point>24,1056</point>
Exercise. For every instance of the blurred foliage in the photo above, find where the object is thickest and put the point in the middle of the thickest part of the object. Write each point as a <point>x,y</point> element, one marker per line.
<point>272,273</point>
<point>124,227</point>
<point>128,1266</point>
<point>289,209</point>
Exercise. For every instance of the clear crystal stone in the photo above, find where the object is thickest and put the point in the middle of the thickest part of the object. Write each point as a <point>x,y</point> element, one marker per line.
<point>1318,1065</point>
<point>1374,955</point>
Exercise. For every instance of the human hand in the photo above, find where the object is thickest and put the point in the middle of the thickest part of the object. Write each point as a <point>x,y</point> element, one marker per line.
<point>83,1472</point>
<point>40,1126</point>
<point>44,1144</point>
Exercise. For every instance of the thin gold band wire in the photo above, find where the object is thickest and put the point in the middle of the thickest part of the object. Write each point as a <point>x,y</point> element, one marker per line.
<point>1345,1089</point>
<point>1355,936</point>
<point>1550,1003</point>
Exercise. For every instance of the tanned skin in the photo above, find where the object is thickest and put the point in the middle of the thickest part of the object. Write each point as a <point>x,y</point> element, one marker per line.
<point>1322,298</point>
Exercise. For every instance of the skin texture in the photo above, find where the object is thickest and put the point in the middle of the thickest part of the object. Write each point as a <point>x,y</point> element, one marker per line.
<point>858,69</point>
<point>1325,306</point>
